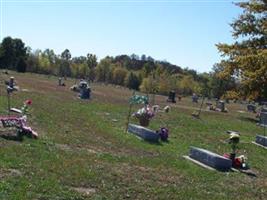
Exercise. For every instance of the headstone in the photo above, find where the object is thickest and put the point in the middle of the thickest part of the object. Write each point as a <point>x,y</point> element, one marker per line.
<point>85,93</point>
<point>195,98</point>
<point>60,82</point>
<point>220,105</point>
<point>263,118</point>
<point>262,140</point>
<point>171,97</point>
<point>211,159</point>
<point>251,108</point>
<point>143,133</point>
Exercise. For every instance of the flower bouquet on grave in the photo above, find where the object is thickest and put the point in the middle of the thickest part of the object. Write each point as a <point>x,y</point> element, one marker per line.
<point>163,133</point>
<point>240,161</point>
<point>144,115</point>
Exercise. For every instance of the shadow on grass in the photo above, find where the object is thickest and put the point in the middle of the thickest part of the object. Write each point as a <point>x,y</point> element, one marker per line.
<point>12,137</point>
<point>157,143</point>
<point>248,119</point>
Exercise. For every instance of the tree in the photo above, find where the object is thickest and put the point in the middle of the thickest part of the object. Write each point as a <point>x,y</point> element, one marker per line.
<point>247,57</point>
<point>66,55</point>
<point>91,63</point>
<point>64,66</point>
<point>103,70</point>
<point>11,52</point>
<point>118,75</point>
<point>132,81</point>
<point>21,66</point>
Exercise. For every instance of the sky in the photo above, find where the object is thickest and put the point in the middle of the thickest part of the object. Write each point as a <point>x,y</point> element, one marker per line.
<point>178,31</point>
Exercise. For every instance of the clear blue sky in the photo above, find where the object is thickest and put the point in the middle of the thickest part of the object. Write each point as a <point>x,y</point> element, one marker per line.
<point>181,32</point>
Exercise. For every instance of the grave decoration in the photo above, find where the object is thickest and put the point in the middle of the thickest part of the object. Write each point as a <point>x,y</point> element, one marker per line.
<point>144,115</point>
<point>238,162</point>
<point>19,122</point>
<point>220,106</point>
<point>171,97</point>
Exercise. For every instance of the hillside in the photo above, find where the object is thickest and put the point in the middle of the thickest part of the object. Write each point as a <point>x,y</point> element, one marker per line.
<point>83,151</point>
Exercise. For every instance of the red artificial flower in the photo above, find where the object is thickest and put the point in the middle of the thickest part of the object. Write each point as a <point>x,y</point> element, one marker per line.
<point>28,102</point>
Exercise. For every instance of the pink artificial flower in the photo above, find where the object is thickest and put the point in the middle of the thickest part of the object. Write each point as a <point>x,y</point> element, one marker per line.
<point>28,102</point>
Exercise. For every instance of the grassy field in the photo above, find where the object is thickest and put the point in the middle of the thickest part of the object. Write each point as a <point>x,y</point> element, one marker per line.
<point>84,153</point>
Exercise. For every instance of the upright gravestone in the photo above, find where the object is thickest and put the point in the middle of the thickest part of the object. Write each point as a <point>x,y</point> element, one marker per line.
<point>85,93</point>
<point>220,106</point>
<point>195,98</point>
<point>251,108</point>
<point>60,83</point>
<point>171,97</point>
<point>263,118</point>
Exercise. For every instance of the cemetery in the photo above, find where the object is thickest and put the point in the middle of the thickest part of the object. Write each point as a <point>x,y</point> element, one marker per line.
<point>75,130</point>
<point>111,100</point>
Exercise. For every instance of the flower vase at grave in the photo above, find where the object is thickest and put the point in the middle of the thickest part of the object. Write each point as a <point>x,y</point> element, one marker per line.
<point>144,121</point>
<point>232,157</point>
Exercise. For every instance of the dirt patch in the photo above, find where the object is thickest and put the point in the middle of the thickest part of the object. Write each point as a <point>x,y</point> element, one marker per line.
<point>66,147</point>
<point>84,190</point>
<point>9,173</point>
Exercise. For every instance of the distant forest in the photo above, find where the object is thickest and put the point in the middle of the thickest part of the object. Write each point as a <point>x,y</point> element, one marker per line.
<point>142,73</point>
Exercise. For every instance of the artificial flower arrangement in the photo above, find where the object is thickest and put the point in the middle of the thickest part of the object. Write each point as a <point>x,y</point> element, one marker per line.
<point>25,107</point>
<point>20,122</point>
<point>144,115</point>
<point>239,162</point>
<point>163,133</point>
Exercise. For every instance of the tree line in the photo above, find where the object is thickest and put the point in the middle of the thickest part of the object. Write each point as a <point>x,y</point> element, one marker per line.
<point>135,72</point>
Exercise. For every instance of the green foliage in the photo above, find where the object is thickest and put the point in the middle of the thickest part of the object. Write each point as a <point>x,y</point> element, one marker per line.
<point>146,73</point>
<point>132,81</point>
<point>22,65</point>
<point>11,51</point>
<point>247,57</point>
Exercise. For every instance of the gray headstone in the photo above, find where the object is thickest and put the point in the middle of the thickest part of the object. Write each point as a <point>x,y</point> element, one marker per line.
<point>85,93</point>
<point>220,105</point>
<point>211,159</point>
<point>261,140</point>
<point>143,132</point>
<point>251,108</point>
<point>263,118</point>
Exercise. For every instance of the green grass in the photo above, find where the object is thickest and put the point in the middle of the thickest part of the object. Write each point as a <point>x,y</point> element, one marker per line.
<point>80,146</point>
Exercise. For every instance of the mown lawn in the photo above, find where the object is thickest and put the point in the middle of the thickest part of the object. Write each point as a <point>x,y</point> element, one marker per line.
<point>84,153</point>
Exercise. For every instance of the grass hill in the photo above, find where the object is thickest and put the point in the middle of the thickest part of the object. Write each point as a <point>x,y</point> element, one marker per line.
<point>83,151</point>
